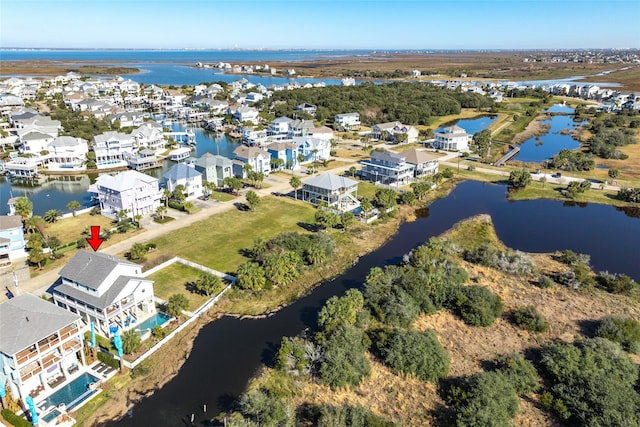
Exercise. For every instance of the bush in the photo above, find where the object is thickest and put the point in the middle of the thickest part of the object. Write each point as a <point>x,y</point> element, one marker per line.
<point>158,332</point>
<point>545,282</point>
<point>413,352</point>
<point>512,262</point>
<point>353,416</point>
<point>616,283</point>
<point>14,419</point>
<point>621,329</point>
<point>477,305</point>
<point>571,258</point>
<point>344,358</point>
<point>520,373</point>
<point>108,359</point>
<point>528,318</point>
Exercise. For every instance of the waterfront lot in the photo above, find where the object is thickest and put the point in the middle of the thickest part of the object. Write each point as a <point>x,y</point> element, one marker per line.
<point>177,279</point>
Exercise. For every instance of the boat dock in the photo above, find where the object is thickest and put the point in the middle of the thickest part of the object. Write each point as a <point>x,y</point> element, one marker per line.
<point>513,151</point>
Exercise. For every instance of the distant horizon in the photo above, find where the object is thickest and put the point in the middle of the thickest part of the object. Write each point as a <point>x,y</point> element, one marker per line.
<point>373,50</point>
<point>314,24</point>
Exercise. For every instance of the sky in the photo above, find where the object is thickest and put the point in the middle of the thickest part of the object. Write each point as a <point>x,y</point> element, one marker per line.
<point>312,24</point>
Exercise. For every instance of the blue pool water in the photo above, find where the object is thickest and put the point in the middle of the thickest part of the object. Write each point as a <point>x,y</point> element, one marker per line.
<point>157,319</point>
<point>51,416</point>
<point>73,393</point>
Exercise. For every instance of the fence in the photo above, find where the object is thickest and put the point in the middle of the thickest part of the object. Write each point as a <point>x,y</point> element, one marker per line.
<point>190,264</point>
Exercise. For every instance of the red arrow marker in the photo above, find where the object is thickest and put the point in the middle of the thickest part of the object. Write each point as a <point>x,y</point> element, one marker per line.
<point>95,241</point>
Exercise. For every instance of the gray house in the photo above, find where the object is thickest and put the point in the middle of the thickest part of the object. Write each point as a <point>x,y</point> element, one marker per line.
<point>387,167</point>
<point>214,168</point>
<point>338,192</point>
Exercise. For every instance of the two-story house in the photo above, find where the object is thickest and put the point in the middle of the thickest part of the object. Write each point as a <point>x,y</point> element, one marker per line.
<point>300,127</point>
<point>387,167</point>
<point>12,242</point>
<point>453,138</point>
<point>338,192</point>
<point>185,175</point>
<point>257,158</point>
<point>134,191</point>
<point>287,151</point>
<point>40,345</point>
<point>313,149</point>
<point>105,290</point>
<point>395,132</point>
<point>423,162</point>
<point>246,114</point>
<point>214,168</point>
<point>149,135</point>
<point>346,122</point>
<point>279,126</point>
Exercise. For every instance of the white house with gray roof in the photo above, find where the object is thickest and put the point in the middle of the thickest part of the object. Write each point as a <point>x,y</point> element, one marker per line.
<point>338,192</point>
<point>214,168</point>
<point>40,345</point>
<point>387,167</point>
<point>67,153</point>
<point>185,175</point>
<point>112,149</point>
<point>134,191</point>
<point>105,290</point>
<point>452,138</point>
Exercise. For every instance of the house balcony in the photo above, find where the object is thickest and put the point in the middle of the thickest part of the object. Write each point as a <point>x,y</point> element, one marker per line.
<point>30,370</point>
<point>48,343</point>
<point>51,359</point>
<point>71,347</point>
<point>26,354</point>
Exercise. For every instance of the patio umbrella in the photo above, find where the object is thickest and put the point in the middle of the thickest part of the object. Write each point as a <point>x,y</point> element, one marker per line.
<point>93,335</point>
<point>117,343</point>
<point>32,409</point>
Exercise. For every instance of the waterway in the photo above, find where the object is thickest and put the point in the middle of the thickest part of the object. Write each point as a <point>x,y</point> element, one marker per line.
<point>228,351</point>
<point>472,126</point>
<point>540,148</point>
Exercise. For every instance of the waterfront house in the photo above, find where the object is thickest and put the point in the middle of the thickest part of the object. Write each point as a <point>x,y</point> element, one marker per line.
<point>143,159</point>
<point>40,345</point>
<point>257,158</point>
<point>186,175</point>
<point>387,167</point>
<point>313,149</point>
<point>214,168</point>
<point>393,132</point>
<point>279,126</point>
<point>128,119</point>
<point>67,153</point>
<point>337,192</point>
<point>12,242</point>
<point>134,191</point>
<point>105,290</point>
<point>346,122</point>
<point>149,135</point>
<point>299,127</point>
<point>112,149</point>
<point>287,151</point>
<point>35,142</point>
<point>423,162</point>
<point>246,114</point>
<point>452,138</point>
<point>253,137</point>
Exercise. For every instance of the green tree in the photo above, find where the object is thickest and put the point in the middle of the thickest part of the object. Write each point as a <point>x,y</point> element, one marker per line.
<point>23,207</point>
<point>282,268</point>
<point>326,219</point>
<point>489,400</point>
<point>340,310</point>
<point>315,255</point>
<point>409,198</point>
<point>520,373</point>
<point>54,243</point>
<point>251,276</point>
<point>52,215</point>
<point>234,183</point>
<point>208,284</point>
<point>295,183</point>
<point>477,305</point>
<point>177,303</point>
<point>347,219</point>
<point>131,341</point>
<point>277,164</point>
<point>344,360</point>
<point>352,171</point>
<point>161,211</point>
<point>419,353</point>
<point>622,330</point>
<point>366,206</point>
<point>73,206</point>
<point>33,223</point>
<point>386,198</point>
<point>482,143</point>
<point>613,173</point>
<point>166,195</point>
<point>253,200</point>
<point>137,251</point>
<point>36,256</point>
<point>420,189</point>
<point>519,178</point>
<point>529,318</point>
<point>178,193</point>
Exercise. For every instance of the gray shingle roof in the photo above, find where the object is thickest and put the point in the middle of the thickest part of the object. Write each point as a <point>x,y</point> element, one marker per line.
<point>180,171</point>
<point>26,319</point>
<point>387,156</point>
<point>209,160</point>
<point>8,222</point>
<point>416,157</point>
<point>101,302</point>
<point>91,268</point>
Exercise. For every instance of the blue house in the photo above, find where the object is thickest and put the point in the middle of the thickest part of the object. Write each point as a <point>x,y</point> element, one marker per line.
<point>11,239</point>
<point>286,151</point>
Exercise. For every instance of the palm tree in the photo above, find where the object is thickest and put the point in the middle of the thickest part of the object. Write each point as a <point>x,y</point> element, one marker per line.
<point>23,207</point>
<point>137,218</point>
<point>161,211</point>
<point>33,223</point>
<point>315,159</point>
<point>73,206</point>
<point>166,194</point>
<point>52,215</point>
<point>352,170</point>
<point>295,183</point>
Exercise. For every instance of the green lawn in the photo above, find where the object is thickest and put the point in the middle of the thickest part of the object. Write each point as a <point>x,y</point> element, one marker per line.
<point>216,242</point>
<point>175,279</point>
<point>221,196</point>
<point>70,229</point>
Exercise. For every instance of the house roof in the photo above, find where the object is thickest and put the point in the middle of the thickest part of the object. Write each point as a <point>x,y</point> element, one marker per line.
<point>301,124</point>
<point>180,171</point>
<point>390,125</point>
<point>124,180</point>
<point>26,319</point>
<point>416,157</point>
<point>67,141</point>
<point>321,129</point>
<point>91,268</point>
<point>209,160</point>
<point>245,152</point>
<point>330,182</point>
<point>282,120</point>
<point>8,222</point>
<point>388,156</point>
<point>103,301</point>
<point>280,146</point>
<point>453,129</point>
<point>112,135</point>
<point>34,135</point>
<point>343,115</point>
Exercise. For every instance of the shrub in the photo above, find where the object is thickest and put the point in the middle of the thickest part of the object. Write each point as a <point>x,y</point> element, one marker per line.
<point>344,358</point>
<point>477,305</point>
<point>569,257</point>
<point>520,373</point>
<point>354,416</point>
<point>623,330</point>
<point>512,262</point>
<point>528,318</point>
<point>14,419</point>
<point>108,359</point>
<point>131,341</point>
<point>413,352</point>
<point>545,282</point>
<point>616,283</point>
<point>158,332</point>
<point>177,303</point>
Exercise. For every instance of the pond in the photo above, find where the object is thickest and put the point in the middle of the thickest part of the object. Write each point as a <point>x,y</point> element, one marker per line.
<point>472,126</point>
<point>540,148</point>
<point>227,352</point>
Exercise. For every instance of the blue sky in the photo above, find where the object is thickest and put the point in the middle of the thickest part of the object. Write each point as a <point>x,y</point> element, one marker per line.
<point>359,24</point>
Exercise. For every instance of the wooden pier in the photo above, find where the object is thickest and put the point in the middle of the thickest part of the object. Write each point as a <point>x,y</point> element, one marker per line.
<point>513,151</point>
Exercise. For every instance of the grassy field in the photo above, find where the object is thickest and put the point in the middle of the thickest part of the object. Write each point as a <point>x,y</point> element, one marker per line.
<point>218,241</point>
<point>70,229</point>
<point>221,196</point>
<point>176,279</point>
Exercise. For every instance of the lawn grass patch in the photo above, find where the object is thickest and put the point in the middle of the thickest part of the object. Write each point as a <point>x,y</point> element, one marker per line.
<point>163,220</point>
<point>176,279</point>
<point>221,196</point>
<point>70,229</point>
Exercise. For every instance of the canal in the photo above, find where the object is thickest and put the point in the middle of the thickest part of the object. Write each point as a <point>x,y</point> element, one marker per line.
<point>228,352</point>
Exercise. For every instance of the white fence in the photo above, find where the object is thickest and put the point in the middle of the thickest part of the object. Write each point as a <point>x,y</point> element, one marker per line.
<point>190,264</point>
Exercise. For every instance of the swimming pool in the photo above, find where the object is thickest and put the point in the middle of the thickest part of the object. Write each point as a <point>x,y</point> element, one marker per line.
<point>51,416</point>
<point>157,319</point>
<point>72,394</point>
